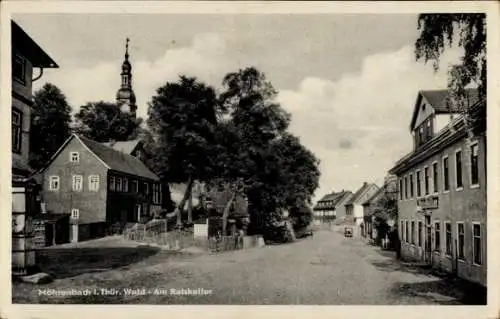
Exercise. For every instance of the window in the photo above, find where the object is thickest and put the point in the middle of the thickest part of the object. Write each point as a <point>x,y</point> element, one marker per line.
<point>156,195</point>
<point>446,175</point>
<point>75,213</point>
<point>448,243</point>
<point>474,165</point>
<point>402,231</point>
<point>74,157</point>
<point>476,246</point>
<point>19,68</point>
<point>426,180</point>
<point>112,185</point>
<point>146,188</point>
<point>437,236</point>
<point>435,177</point>
<point>461,240</point>
<point>420,229</point>
<point>421,134</point>
<point>54,183</point>
<point>125,185</point>
<point>419,190</point>
<point>458,169</point>
<point>118,184</point>
<point>94,183</point>
<point>77,182</point>
<point>407,230</point>
<point>429,128</point>
<point>400,189</point>
<point>412,235</point>
<point>406,187</point>
<point>17,118</point>
<point>411,186</point>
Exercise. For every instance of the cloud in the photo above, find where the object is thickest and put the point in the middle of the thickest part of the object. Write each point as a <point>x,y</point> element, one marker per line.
<point>358,126</point>
<point>205,58</point>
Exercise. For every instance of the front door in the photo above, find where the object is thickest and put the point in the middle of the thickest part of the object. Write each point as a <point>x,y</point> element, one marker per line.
<point>428,240</point>
<point>138,212</point>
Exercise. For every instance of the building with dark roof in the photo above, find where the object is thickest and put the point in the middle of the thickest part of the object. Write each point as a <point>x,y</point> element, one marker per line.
<point>28,63</point>
<point>100,187</point>
<point>331,207</point>
<point>442,187</point>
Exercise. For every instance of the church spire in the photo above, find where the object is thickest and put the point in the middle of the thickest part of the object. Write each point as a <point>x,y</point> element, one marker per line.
<point>125,96</point>
<point>126,49</point>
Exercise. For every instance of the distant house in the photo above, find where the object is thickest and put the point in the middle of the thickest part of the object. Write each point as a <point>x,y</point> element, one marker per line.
<point>100,187</point>
<point>331,207</point>
<point>389,190</point>
<point>354,207</point>
<point>368,210</point>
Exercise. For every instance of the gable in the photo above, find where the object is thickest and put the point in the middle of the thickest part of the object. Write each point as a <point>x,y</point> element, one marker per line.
<point>61,163</point>
<point>424,110</point>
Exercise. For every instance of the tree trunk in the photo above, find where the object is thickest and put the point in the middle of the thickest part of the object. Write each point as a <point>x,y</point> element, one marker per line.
<point>190,206</point>
<point>225,214</point>
<point>179,208</point>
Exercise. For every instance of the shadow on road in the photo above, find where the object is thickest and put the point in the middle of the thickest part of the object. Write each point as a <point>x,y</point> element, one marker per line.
<point>438,288</point>
<point>444,291</point>
<point>64,263</point>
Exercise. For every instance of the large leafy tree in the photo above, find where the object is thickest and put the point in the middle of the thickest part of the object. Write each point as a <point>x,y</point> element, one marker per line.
<point>104,121</point>
<point>257,156</point>
<point>182,119</point>
<point>251,120</point>
<point>439,32</point>
<point>50,124</point>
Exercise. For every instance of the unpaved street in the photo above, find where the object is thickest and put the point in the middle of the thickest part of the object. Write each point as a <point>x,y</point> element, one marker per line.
<point>324,269</point>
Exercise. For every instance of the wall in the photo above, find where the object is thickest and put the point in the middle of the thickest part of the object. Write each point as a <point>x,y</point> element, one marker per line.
<point>340,207</point>
<point>358,204</point>
<point>467,205</point>
<point>422,115</point>
<point>24,90</point>
<point>92,205</point>
<point>441,121</point>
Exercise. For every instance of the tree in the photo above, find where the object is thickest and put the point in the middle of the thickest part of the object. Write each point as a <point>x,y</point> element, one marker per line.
<point>385,209</point>
<point>50,124</point>
<point>182,118</point>
<point>103,121</point>
<point>437,32</point>
<point>250,120</point>
<point>257,156</point>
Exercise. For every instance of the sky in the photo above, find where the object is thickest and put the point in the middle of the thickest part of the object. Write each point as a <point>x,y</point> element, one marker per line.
<point>349,81</point>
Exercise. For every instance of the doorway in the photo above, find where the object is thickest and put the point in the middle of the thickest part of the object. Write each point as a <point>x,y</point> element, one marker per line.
<point>428,240</point>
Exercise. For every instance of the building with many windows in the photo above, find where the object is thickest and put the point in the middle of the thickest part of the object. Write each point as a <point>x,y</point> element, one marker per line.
<point>28,63</point>
<point>101,188</point>
<point>331,207</point>
<point>442,188</point>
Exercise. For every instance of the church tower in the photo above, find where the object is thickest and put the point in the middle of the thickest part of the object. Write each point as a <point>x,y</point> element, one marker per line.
<point>125,96</point>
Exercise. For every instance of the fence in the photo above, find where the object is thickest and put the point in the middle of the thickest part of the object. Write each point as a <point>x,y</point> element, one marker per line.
<point>156,233</point>
<point>221,243</point>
